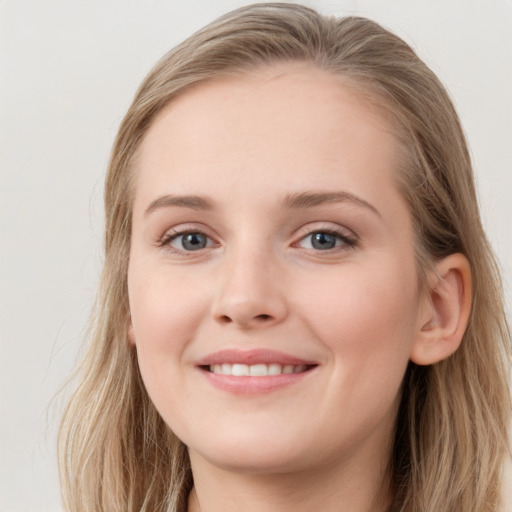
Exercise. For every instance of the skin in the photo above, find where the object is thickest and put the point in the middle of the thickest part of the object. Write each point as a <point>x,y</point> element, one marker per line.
<point>246,144</point>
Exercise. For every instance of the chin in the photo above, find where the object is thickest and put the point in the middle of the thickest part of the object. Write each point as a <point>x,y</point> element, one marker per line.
<point>255,464</point>
<point>246,455</point>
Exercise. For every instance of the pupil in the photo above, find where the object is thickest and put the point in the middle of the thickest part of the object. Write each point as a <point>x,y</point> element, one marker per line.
<point>194,241</point>
<point>323,241</point>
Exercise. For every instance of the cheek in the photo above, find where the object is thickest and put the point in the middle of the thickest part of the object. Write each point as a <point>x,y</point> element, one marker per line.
<point>165,314</point>
<point>365,316</point>
<point>165,311</point>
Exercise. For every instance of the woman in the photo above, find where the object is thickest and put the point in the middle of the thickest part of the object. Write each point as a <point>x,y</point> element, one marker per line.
<point>299,308</point>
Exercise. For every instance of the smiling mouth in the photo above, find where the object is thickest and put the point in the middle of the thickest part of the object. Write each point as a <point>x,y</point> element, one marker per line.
<point>256,370</point>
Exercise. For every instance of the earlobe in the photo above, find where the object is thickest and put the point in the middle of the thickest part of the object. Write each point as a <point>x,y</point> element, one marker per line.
<point>446,315</point>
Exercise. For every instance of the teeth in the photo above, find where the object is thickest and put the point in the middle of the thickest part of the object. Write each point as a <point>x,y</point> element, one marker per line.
<point>238,370</point>
<point>274,369</point>
<point>256,370</point>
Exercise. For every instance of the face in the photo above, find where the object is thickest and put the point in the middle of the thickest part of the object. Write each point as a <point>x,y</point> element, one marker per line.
<point>272,280</point>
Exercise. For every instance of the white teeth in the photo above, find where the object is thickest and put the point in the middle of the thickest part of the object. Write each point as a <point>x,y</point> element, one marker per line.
<point>274,369</point>
<point>256,370</point>
<point>240,370</point>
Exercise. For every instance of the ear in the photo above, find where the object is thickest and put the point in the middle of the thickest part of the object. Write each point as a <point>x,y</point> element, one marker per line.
<point>445,314</point>
<point>131,334</point>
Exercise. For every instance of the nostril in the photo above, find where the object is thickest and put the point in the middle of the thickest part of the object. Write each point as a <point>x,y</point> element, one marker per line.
<point>245,320</point>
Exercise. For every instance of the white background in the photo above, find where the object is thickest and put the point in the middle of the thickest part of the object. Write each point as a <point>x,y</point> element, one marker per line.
<point>68,70</point>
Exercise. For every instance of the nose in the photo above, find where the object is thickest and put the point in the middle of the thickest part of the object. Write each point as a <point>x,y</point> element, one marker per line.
<point>250,294</point>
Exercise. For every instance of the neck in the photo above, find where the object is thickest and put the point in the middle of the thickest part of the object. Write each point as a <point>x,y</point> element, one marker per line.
<point>354,488</point>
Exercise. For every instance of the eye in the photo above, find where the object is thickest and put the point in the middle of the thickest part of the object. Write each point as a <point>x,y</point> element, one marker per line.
<point>189,241</point>
<point>325,240</point>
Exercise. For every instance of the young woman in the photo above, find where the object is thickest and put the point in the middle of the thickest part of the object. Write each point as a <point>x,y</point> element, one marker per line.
<point>299,309</point>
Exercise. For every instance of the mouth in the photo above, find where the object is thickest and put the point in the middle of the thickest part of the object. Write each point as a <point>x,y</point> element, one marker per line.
<point>254,371</point>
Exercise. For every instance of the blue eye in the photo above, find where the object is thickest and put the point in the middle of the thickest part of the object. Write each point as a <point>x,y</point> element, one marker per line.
<point>191,241</point>
<point>325,240</point>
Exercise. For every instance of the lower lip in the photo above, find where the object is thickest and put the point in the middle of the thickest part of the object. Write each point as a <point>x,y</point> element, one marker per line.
<point>254,385</point>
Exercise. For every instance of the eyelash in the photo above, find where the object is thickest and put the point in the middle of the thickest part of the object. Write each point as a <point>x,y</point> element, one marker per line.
<point>175,234</point>
<point>347,242</point>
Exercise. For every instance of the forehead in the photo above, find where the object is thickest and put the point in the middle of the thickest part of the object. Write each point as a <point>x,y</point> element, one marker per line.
<point>286,125</point>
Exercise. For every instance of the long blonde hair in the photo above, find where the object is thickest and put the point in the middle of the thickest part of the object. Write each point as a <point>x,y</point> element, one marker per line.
<point>117,454</point>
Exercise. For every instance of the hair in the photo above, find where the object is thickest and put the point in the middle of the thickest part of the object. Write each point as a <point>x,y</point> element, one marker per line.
<point>115,451</point>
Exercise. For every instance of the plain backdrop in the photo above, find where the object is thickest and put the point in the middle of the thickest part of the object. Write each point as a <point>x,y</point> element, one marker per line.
<point>68,71</point>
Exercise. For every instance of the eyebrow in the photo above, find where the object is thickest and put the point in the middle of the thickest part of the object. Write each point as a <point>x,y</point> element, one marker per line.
<point>192,202</point>
<point>311,199</point>
<point>300,200</point>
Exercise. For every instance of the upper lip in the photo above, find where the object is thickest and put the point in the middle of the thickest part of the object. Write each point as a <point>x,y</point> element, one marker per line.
<point>250,357</point>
